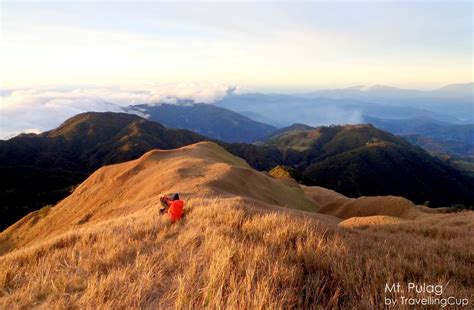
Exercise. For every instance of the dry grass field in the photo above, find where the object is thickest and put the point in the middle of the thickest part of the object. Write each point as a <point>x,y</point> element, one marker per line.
<point>107,247</point>
<point>224,255</point>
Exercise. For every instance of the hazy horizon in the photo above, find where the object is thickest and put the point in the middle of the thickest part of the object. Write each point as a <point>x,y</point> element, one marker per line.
<point>271,89</point>
<point>39,109</point>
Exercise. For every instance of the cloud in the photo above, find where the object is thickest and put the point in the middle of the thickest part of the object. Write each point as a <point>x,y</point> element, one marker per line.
<point>37,110</point>
<point>195,92</point>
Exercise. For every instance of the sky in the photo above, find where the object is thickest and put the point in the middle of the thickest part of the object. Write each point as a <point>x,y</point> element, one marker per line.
<point>274,46</point>
<point>61,58</point>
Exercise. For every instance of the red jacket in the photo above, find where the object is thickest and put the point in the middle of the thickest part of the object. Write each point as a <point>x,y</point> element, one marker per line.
<point>175,210</point>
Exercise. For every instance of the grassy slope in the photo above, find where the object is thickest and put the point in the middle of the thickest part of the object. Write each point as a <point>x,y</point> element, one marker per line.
<point>198,170</point>
<point>438,146</point>
<point>88,141</point>
<point>285,172</point>
<point>41,169</point>
<point>106,246</point>
<point>227,255</point>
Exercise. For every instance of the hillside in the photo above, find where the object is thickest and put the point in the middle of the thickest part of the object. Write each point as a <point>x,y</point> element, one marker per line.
<point>90,140</point>
<point>41,169</point>
<point>358,160</point>
<point>330,140</point>
<point>293,127</point>
<point>245,242</point>
<point>340,206</point>
<point>286,172</point>
<point>442,147</point>
<point>427,127</point>
<point>203,169</point>
<point>208,120</point>
<point>38,170</point>
<point>449,142</point>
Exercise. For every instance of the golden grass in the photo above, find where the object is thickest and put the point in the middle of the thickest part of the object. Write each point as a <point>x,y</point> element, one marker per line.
<point>363,221</point>
<point>202,169</point>
<point>225,255</point>
<point>340,206</point>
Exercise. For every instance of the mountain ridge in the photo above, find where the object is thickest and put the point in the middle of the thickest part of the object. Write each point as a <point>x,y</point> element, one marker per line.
<point>72,154</point>
<point>203,169</point>
<point>107,245</point>
<point>76,148</point>
<point>208,120</point>
<point>354,159</point>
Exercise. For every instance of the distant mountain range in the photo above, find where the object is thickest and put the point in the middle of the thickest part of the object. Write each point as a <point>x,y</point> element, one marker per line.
<point>208,120</point>
<point>433,135</point>
<point>426,127</point>
<point>228,126</point>
<point>389,94</point>
<point>355,160</point>
<point>453,104</point>
<point>442,147</point>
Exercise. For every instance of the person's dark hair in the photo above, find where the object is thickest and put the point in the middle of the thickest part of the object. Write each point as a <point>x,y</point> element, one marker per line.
<point>176,196</point>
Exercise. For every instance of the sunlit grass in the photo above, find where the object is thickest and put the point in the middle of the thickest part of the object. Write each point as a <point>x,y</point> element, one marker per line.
<point>228,256</point>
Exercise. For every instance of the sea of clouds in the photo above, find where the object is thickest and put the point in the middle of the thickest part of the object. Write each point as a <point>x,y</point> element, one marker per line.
<point>40,109</point>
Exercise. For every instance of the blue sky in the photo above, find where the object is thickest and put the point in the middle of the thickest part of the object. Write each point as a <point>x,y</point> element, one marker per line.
<point>267,45</point>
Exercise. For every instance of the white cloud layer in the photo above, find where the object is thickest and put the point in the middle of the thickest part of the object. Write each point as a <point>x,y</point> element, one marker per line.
<point>37,110</point>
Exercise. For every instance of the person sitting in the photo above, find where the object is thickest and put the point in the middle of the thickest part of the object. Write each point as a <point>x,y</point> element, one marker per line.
<point>173,206</point>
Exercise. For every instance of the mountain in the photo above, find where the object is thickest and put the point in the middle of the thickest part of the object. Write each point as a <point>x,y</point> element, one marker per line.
<point>426,126</point>
<point>456,90</point>
<point>321,108</point>
<point>90,140</point>
<point>199,170</point>
<point>246,241</point>
<point>387,94</point>
<point>457,154</point>
<point>358,160</point>
<point>208,120</point>
<point>262,118</point>
<point>450,142</point>
<point>441,146</point>
<point>196,171</point>
<point>293,127</point>
<point>41,169</point>
<point>453,103</point>
<point>368,93</point>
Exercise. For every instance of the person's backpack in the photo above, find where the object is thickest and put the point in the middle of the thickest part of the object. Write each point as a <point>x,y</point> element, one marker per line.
<point>175,210</point>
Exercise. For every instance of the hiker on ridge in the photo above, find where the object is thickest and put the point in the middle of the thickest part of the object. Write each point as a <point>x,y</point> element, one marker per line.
<point>174,206</point>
